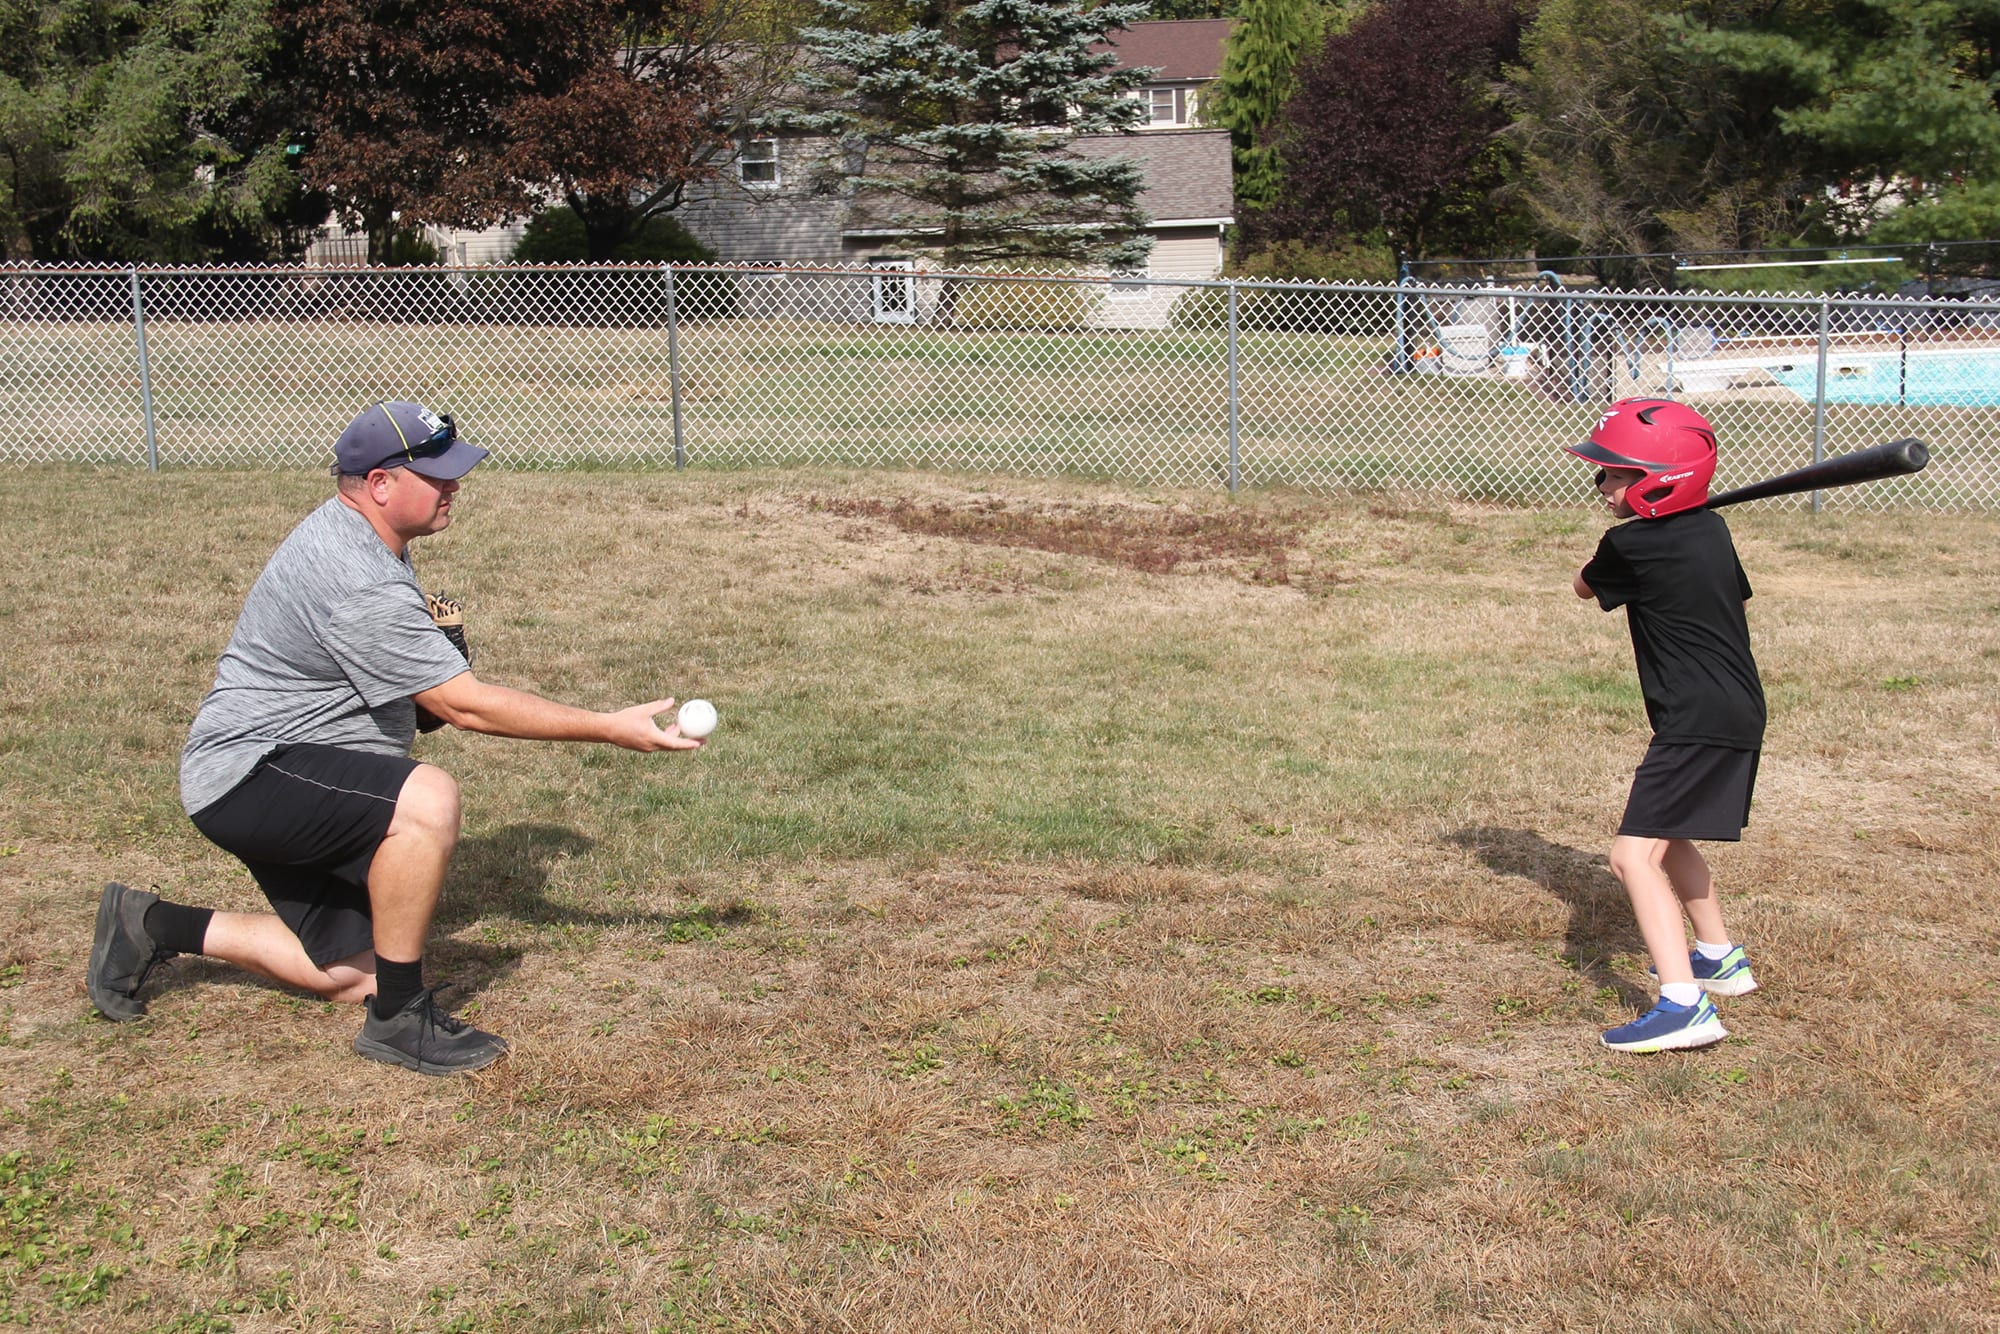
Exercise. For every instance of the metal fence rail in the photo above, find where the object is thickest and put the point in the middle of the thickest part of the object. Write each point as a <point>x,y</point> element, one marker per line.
<point>1470,391</point>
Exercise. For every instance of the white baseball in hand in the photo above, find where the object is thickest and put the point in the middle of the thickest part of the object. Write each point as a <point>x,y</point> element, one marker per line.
<point>696,718</point>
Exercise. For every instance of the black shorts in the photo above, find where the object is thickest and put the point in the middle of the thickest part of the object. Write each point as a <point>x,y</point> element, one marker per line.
<point>1691,791</point>
<point>307,822</point>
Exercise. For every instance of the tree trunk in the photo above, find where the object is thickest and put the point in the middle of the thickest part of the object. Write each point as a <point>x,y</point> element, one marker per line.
<point>605,227</point>
<point>381,226</point>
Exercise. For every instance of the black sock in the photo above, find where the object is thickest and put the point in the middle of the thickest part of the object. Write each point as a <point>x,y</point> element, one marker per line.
<point>396,985</point>
<point>178,927</point>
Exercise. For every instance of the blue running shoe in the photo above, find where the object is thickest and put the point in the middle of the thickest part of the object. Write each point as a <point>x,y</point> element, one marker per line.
<point>1728,976</point>
<point>1669,1027</point>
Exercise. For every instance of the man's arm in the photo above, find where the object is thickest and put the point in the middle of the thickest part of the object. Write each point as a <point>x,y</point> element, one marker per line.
<point>1583,590</point>
<point>470,704</point>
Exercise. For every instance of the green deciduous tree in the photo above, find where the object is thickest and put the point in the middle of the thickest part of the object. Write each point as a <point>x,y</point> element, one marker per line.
<point>959,119</point>
<point>138,130</point>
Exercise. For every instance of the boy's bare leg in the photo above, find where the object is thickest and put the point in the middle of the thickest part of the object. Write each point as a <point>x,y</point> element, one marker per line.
<point>1687,871</point>
<point>1640,865</point>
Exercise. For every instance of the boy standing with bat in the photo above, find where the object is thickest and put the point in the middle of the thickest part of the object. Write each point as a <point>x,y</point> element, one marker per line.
<point>1674,570</point>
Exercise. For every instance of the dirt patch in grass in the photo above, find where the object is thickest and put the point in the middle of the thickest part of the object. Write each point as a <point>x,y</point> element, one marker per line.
<point>1260,545</point>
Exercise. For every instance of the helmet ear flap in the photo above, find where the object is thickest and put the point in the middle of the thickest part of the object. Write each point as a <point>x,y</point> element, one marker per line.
<point>1669,442</point>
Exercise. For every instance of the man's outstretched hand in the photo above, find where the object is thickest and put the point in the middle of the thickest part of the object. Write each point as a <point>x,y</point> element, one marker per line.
<point>634,729</point>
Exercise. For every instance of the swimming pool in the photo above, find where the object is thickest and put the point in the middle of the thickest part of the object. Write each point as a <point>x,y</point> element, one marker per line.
<point>1966,378</point>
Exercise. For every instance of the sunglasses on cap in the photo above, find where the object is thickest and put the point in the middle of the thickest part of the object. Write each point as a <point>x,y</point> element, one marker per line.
<point>430,447</point>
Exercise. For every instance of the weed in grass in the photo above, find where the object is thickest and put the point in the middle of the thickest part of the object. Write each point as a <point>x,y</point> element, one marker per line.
<point>1044,1104</point>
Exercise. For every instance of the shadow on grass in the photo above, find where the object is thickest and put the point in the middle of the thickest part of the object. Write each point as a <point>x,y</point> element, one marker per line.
<point>504,874</point>
<point>1600,916</point>
<point>507,873</point>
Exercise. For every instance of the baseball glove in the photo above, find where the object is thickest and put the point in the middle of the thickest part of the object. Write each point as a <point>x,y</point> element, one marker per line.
<point>448,614</point>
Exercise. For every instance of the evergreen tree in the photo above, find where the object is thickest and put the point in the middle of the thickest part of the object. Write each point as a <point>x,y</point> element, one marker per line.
<point>1259,71</point>
<point>958,119</point>
<point>1660,125</point>
<point>1892,101</point>
<point>1632,143</point>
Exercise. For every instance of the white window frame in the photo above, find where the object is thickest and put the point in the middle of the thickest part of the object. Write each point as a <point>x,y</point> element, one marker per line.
<point>898,284</point>
<point>745,162</point>
<point>1175,105</point>
<point>1130,284</point>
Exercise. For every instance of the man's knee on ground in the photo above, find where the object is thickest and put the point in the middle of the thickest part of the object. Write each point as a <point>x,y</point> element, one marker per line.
<point>427,806</point>
<point>351,980</point>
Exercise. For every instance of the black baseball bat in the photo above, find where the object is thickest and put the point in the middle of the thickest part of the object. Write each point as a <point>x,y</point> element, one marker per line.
<point>1898,458</point>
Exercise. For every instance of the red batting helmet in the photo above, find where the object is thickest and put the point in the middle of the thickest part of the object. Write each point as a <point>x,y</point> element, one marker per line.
<point>1670,442</point>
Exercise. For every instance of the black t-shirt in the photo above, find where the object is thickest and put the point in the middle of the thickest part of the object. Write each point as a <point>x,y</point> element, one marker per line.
<point>1683,592</point>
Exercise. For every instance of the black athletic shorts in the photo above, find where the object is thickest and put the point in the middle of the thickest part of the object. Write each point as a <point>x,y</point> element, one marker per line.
<point>307,822</point>
<point>1691,791</point>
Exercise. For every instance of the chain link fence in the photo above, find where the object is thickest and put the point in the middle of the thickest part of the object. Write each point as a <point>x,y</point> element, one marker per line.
<point>1466,390</point>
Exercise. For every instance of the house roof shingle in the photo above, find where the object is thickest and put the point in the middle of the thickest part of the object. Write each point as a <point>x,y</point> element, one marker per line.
<point>1178,48</point>
<point>1187,171</point>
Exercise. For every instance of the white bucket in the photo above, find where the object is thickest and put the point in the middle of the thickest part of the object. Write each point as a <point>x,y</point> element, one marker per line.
<point>1467,348</point>
<point>1514,360</point>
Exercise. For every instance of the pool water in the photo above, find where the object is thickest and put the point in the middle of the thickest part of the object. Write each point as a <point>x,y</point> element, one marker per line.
<point>1959,378</point>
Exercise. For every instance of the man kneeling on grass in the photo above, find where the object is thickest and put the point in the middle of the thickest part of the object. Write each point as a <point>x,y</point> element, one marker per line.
<point>299,764</point>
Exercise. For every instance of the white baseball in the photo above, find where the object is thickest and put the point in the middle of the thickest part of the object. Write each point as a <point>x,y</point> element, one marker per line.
<point>696,718</point>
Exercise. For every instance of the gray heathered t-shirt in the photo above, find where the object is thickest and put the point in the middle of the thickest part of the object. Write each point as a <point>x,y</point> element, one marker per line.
<point>333,640</point>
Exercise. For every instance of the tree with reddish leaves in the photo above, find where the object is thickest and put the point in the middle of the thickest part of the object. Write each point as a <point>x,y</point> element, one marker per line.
<point>1392,129</point>
<point>634,113</point>
<point>465,113</point>
<point>401,107</point>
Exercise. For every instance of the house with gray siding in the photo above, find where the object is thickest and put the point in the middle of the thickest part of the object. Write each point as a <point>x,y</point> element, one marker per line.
<point>782,200</point>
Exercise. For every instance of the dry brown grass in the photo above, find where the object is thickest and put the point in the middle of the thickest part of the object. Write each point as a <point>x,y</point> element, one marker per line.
<point>981,975</point>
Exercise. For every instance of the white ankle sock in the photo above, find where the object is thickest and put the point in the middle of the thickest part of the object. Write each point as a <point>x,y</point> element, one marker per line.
<point>1681,993</point>
<point>1712,952</point>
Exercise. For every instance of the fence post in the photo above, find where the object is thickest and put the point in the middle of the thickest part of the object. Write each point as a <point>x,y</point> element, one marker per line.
<point>1819,399</point>
<point>1400,362</point>
<point>1235,477</point>
<point>145,375</point>
<point>674,370</point>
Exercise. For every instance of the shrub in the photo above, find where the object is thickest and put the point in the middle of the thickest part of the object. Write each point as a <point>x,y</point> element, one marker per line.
<point>1295,261</point>
<point>1025,304</point>
<point>411,247</point>
<point>556,237</point>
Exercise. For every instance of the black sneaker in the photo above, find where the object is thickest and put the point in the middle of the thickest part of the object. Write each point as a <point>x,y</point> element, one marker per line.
<point>423,1038</point>
<point>122,955</point>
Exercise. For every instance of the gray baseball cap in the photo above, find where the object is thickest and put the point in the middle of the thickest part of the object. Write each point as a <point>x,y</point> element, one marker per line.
<point>404,435</point>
